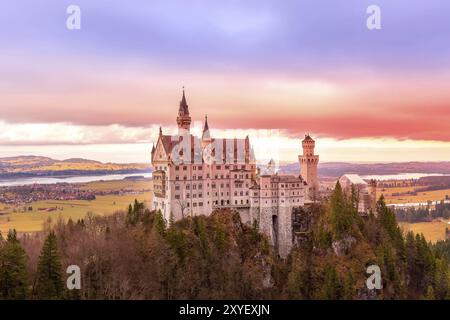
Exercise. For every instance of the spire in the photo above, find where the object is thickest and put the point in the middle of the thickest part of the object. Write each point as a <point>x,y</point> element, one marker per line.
<point>184,108</point>
<point>183,119</point>
<point>206,135</point>
<point>160,131</point>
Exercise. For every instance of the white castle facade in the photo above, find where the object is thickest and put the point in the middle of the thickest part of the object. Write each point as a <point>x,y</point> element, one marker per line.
<point>197,175</point>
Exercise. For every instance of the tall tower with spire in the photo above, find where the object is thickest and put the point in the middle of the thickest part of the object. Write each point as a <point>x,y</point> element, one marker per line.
<point>308,162</point>
<point>206,135</point>
<point>183,118</point>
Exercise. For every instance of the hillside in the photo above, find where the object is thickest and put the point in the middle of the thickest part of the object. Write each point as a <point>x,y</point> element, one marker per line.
<point>336,169</point>
<point>134,255</point>
<point>30,166</point>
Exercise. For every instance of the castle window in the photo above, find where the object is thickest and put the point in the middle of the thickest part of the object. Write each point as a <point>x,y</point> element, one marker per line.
<point>200,186</point>
<point>218,167</point>
<point>188,195</point>
<point>200,177</point>
<point>194,204</point>
<point>187,187</point>
<point>243,167</point>
<point>194,186</point>
<point>235,193</point>
<point>207,176</point>
<point>184,168</point>
<point>235,201</point>
<point>177,187</point>
<point>184,178</point>
<point>199,167</point>
<point>177,196</point>
<point>221,176</point>
<point>177,178</point>
<point>228,176</point>
<point>227,167</point>
<point>200,195</point>
<point>200,204</point>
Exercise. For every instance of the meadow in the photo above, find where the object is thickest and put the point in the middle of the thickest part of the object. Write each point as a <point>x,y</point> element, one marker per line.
<point>435,195</point>
<point>433,231</point>
<point>25,220</point>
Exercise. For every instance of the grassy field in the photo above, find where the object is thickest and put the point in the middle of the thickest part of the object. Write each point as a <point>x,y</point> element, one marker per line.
<point>420,197</point>
<point>433,231</point>
<point>135,185</point>
<point>31,221</point>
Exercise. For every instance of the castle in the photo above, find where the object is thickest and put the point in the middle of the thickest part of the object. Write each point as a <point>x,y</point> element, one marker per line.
<point>197,175</point>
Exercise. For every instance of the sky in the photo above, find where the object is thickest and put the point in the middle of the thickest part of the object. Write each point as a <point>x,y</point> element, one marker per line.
<point>274,70</point>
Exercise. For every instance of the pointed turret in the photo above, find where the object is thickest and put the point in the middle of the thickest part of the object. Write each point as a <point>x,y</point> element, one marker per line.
<point>206,135</point>
<point>183,119</point>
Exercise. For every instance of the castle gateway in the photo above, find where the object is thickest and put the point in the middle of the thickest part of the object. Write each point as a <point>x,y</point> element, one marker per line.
<point>197,175</point>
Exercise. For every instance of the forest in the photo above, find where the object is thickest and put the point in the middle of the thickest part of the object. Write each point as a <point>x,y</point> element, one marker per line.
<point>135,254</point>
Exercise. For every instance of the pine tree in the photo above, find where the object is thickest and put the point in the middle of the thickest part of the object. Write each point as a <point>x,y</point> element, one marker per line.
<point>342,212</point>
<point>13,275</point>
<point>50,284</point>
<point>331,288</point>
<point>387,219</point>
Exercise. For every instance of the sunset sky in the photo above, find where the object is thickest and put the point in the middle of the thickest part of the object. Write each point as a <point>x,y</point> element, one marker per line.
<point>272,69</point>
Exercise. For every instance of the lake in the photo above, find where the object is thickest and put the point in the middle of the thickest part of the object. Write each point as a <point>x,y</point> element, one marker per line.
<point>401,176</point>
<point>69,179</point>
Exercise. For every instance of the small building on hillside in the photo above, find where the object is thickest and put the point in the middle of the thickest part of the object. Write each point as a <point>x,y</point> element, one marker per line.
<point>366,191</point>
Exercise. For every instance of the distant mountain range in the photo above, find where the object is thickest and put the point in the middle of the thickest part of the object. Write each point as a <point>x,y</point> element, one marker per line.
<point>34,166</point>
<point>336,169</point>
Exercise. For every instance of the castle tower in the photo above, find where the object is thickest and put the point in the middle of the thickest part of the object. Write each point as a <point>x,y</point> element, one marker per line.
<point>308,162</point>
<point>206,135</point>
<point>183,119</point>
<point>373,194</point>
